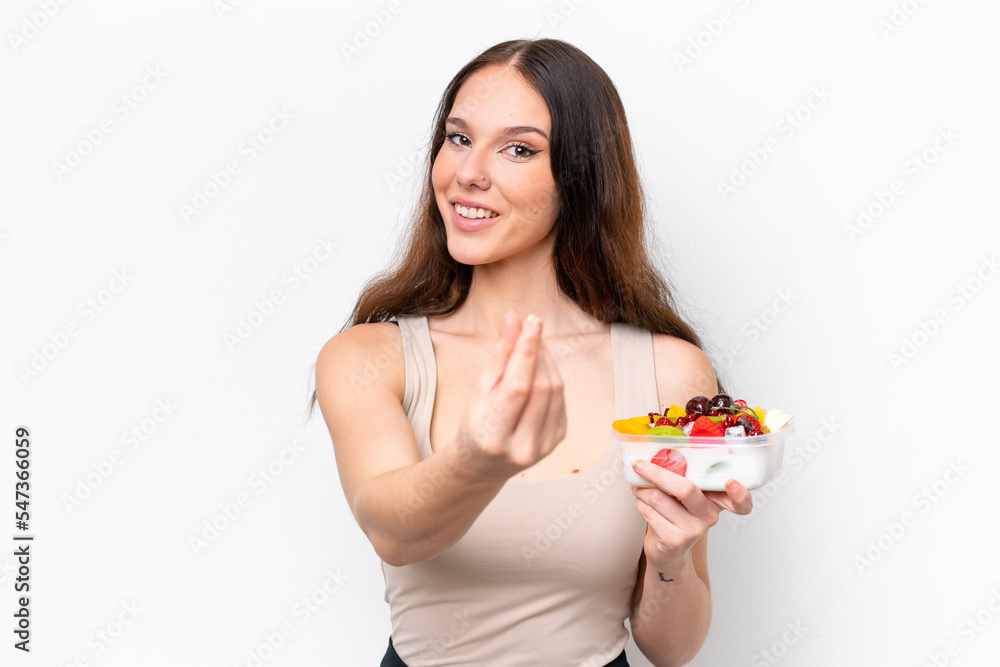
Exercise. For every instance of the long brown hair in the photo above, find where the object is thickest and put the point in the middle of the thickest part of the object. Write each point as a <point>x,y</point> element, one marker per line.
<point>601,257</point>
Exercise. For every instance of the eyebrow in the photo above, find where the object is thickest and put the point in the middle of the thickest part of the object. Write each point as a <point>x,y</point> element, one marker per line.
<point>505,132</point>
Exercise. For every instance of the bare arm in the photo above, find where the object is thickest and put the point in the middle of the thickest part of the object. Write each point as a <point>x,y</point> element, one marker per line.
<point>411,509</point>
<point>672,611</point>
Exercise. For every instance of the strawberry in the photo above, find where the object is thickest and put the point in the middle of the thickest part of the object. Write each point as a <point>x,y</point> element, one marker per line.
<point>706,427</point>
<point>672,460</point>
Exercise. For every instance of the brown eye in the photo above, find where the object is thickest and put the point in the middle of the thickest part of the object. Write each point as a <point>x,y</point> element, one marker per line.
<point>521,151</point>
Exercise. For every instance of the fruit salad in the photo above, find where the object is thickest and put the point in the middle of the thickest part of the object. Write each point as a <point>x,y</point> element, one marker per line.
<point>708,441</point>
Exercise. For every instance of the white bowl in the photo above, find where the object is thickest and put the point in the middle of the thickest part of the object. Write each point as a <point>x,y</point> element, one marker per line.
<point>752,461</point>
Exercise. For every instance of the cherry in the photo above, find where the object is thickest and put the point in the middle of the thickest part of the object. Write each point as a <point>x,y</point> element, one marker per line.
<point>697,406</point>
<point>721,400</point>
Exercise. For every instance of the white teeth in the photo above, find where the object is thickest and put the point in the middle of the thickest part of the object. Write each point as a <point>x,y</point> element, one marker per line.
<point>473,213</point>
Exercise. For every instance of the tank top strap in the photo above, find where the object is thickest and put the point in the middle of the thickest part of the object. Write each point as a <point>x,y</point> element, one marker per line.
<point>421,377</point>
<point>635,375</point>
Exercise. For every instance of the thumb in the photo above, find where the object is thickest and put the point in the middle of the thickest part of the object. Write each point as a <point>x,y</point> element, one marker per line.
<point>501,353</point>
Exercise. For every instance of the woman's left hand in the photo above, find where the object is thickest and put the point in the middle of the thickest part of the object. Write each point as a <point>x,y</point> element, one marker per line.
<point>679,513</point>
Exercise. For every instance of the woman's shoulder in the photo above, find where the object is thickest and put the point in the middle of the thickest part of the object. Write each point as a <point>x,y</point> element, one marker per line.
<point>679,350</point>
<point>683,370</point>
<point>364,355</point>
<point>360,337</point>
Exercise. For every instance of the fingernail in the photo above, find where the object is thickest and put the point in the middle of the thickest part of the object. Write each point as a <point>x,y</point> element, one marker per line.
<point>638,465</point>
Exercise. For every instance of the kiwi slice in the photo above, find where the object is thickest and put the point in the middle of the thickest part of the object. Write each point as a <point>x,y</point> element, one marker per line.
<point>664,430</point>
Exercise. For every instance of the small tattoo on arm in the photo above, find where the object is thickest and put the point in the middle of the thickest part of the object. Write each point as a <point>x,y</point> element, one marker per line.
<point>662,578</point>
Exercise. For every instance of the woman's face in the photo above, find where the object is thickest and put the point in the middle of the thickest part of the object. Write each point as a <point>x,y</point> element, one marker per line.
<point>496,157</point>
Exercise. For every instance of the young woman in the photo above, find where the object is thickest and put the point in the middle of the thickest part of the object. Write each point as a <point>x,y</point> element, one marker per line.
<point>470,401</point>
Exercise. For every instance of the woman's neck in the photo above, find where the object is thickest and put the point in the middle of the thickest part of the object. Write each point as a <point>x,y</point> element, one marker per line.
<point>524,285</point>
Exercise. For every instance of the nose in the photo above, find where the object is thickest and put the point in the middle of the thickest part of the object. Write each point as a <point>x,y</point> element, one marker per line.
<point>474,169</point>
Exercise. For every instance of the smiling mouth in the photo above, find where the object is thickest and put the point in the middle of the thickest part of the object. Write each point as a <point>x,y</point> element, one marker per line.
<point>474,213</point>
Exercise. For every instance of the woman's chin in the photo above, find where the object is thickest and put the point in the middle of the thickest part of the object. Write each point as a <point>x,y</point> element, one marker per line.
<point>470,256</point>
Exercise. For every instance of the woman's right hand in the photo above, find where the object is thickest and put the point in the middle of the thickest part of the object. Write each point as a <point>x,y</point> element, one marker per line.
<point>518,413</point>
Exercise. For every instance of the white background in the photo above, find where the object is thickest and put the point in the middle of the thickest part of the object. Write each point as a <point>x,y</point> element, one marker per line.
<point>845,548</point>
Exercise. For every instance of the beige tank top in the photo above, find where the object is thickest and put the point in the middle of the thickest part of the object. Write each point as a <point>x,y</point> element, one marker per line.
<point>545,574</point>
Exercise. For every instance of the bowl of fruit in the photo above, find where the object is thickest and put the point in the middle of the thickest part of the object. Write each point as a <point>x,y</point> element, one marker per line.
<point>709,441</point>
